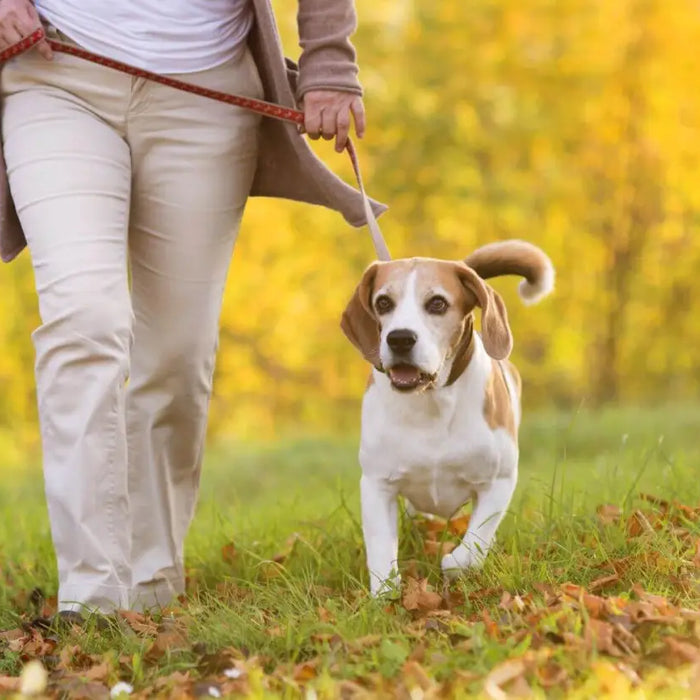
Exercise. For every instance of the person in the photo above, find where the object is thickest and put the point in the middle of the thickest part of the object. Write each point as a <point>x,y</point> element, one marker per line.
<point>129,195</point>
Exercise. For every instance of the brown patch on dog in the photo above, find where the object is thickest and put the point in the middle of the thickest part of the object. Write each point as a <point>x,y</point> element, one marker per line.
<point>515,376</point>
<point>498,410</point>
<point>463,350</point>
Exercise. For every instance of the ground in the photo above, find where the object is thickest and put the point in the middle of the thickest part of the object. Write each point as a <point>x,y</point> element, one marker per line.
<point>592,590</point>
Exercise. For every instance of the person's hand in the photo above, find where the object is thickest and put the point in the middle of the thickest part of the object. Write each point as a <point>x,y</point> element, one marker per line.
<point>19,19</point>
<point>327,114</point>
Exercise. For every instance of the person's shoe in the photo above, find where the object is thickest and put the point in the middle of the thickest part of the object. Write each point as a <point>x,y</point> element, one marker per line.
<point>68,618</point>
<point>65,620</point>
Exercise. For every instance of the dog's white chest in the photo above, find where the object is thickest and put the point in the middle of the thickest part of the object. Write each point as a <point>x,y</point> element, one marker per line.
<point>435,451</point>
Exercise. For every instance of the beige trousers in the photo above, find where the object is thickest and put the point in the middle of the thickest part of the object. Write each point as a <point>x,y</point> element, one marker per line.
<point>130,195</point>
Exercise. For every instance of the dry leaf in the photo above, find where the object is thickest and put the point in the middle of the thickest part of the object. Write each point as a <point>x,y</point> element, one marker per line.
<point>77,689</point>
<point>415,675</point>
<point>490,626</point>
<point>169,639</point>
<point>639,522</point>
<point>98,672</point>
<point>608,513</point>
<point>435,548</point>
<point>138,622</point>
<point>603,582</point>
<point>417,597</point>
<point>228,553</point>
<point>9,684</point>
<point>550,675</point>
<point>324,614</point>
<point>679,651</point>
<point>12,635</point>
<point>459,525</point>
<point>289,546</point>
<point>305,671</point>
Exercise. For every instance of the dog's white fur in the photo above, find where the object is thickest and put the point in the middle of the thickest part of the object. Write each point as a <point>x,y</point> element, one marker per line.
<point>433,443</point>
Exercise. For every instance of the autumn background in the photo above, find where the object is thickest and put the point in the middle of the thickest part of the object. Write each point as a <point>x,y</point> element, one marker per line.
<point>574,124</point>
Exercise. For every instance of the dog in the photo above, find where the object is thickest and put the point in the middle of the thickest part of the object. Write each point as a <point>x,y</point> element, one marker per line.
<point>441,412</point>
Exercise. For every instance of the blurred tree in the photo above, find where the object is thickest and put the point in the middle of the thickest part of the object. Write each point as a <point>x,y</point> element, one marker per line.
<point>574,124</point>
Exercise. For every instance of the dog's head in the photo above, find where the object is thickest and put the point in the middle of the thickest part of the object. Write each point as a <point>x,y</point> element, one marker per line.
<point>413,317</point>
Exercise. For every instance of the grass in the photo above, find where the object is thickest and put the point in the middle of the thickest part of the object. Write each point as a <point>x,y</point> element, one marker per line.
<point>306,622</point>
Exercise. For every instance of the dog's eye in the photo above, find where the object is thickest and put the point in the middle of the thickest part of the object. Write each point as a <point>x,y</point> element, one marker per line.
<point>436,305</point>
<point>383,304</point>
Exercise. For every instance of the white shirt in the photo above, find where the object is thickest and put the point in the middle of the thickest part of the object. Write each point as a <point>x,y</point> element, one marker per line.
<point>175,36</point>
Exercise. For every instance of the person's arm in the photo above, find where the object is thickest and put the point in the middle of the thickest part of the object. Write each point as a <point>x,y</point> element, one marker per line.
<point>328,87</point>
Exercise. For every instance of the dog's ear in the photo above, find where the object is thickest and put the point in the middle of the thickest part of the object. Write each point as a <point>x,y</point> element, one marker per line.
<point>359,322</point>
<point>495,331</point>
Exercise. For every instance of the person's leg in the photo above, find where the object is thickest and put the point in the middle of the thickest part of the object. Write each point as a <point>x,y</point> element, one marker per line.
<point>194,161</point>
<point>70,174</point>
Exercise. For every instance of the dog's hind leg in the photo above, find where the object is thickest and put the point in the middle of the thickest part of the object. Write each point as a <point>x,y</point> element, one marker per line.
<point>490,505</point>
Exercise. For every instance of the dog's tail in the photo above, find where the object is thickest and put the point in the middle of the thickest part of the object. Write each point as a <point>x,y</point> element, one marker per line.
<point>515,257</point>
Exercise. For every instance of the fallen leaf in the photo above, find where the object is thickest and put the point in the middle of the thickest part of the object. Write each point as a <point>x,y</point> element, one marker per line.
<point>415,675</point>
<point>98,672</point>
<point>680,651</point>
<point>9,683</point>
<point>433,527</point>
<point>655,500</point>
<point>435,548</point>
<point>603,582</point>
<point>169,639</point>
<point>138,622</point>
<point>288,548</point>
<point>324,614</point>
<point>228,553</point>
<point>489,624</point>
<point>638,522</point>
<point>459,525</point>
<point>608,513</point>
<point>11,635</point>
<point>305,671</point>
<point>77,689</point>
<point>417,597</point>
<point>550,675</point>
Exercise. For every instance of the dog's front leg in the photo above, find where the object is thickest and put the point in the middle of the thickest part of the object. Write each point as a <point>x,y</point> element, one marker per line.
<point>381,532</point>
<point>490,505</point>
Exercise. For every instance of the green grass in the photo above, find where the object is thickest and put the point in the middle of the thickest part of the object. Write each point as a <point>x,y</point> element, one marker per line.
<point>315,606</point>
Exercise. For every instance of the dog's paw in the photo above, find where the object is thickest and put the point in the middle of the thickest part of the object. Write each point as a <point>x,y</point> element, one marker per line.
<point>461,559</point>
<point>389,588</point>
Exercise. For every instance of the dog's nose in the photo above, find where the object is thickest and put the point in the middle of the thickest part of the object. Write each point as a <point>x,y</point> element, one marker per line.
<point>401,340</point>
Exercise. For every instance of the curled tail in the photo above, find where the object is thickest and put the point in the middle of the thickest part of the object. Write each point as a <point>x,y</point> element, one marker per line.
<point>515,257</point>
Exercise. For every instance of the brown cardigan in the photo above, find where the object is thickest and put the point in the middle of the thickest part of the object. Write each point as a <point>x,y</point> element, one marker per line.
<point>287,167</point>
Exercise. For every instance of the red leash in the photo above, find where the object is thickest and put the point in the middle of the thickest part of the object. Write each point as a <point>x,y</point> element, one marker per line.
<point>267,109</point>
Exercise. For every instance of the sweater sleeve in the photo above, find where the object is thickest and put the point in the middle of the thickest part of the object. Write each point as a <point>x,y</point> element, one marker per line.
<point>328,60</point>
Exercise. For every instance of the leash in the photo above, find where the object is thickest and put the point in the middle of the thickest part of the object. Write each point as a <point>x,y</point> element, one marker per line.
<point>267,109</point>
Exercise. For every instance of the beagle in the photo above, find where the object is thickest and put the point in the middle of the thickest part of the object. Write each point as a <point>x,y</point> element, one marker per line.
<point>441,412</point>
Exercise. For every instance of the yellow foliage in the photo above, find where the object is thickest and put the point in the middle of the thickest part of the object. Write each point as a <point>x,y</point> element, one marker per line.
<point>575,125</point>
